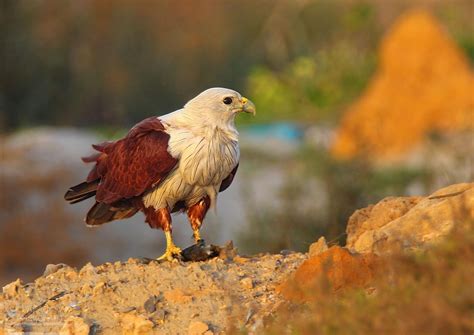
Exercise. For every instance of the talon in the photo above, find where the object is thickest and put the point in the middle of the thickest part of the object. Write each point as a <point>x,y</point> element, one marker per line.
<point>172,251</point>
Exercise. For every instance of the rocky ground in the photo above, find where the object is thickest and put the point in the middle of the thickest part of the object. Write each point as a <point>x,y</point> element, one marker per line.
<point>229,292</point>
<point>167,298</point>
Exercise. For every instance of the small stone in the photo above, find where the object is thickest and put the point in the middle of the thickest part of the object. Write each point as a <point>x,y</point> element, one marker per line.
<point>150,304</point>
<point>318,247</point>
<point>247,283</point>
<point>135,324</point>
<point>74,305</point>
<point>88,269</point>
<point>159,316</point>
<point>99,288</point>
<point>286,252</point>
<point>197,328</point>
<point>74,326</point>
<point>86,289</point>
<point>12,289</point>
<point>52,268</point>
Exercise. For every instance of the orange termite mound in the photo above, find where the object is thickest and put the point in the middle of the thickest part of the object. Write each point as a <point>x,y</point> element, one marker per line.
<point>423,84</point>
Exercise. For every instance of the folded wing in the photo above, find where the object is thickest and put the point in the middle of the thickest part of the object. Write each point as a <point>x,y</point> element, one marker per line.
<point>125,169</point>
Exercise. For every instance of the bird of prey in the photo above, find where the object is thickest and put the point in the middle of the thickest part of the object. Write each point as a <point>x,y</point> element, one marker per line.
<point>177,162</point>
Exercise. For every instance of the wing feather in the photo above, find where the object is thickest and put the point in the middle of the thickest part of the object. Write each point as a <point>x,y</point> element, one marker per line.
<point>228,180</point>
<point>129,167</point>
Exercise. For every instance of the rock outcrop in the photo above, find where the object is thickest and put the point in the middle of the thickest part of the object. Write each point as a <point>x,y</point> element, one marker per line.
<point>423,85</point>
<point>409,222</point>
<point>392,225</point>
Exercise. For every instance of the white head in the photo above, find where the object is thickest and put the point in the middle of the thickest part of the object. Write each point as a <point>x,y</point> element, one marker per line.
<point>219,105</point>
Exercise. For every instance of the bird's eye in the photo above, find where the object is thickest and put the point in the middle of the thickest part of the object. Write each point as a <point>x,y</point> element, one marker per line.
<point>227,100</point>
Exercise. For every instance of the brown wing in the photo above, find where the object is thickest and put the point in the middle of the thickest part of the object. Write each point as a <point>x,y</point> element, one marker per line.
<point>130,166</point>
<point>228,180</point>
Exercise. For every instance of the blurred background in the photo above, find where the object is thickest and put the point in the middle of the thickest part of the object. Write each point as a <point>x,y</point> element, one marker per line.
<point>356,101</point>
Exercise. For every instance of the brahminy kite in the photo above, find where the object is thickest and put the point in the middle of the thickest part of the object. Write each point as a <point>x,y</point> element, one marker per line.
<point>177,162</point>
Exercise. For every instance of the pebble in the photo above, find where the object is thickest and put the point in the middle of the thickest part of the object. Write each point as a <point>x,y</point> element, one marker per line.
<point>52,268</point>
<point>135,324</point>
<point>99,288</point>
<point>247,283</point>
<point>160,315</point>
<point>88,269</point>
<point>150,304</point>
<point>12,289</point>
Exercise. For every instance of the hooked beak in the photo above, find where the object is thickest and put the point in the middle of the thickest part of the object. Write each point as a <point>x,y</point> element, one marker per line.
<point>248,106</point>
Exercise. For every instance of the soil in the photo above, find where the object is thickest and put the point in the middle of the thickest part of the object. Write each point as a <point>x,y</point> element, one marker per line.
<point>141,297</point>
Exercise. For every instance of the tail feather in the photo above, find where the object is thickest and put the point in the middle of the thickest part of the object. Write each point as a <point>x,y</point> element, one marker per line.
<point>81,191</point>
<point>102,213</point>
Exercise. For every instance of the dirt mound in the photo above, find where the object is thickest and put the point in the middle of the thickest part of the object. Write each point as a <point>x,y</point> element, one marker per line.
<point>138,298</point>
<point>423,84</point>
<point>336,267</point>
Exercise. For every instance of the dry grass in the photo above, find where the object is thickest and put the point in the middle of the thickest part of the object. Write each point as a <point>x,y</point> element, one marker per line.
<point>428,292</point>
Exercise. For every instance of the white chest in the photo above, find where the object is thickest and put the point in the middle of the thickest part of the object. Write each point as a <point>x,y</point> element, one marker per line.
<point>205,158</point>
<point>204,161</point>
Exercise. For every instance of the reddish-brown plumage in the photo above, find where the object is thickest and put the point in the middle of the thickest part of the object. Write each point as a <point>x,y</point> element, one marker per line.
<point>158,218</point>
<point>130,166</point>
<point>197,212</point>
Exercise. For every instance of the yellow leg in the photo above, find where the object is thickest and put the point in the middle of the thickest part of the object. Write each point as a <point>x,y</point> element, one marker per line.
<point>172,251</point>
<point>196,235</point>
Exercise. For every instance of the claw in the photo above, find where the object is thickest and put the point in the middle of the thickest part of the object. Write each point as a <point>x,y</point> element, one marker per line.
<point>172,251</point>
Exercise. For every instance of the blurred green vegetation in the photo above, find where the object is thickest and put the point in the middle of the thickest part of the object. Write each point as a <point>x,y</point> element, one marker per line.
<point>313,88</point>
<point>112,63</point>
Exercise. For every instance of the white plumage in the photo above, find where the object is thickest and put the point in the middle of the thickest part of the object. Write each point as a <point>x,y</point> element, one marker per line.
<point>205,142</point>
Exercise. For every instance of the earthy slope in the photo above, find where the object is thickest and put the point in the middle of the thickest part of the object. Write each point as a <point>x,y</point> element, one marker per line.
<point>139,298</point>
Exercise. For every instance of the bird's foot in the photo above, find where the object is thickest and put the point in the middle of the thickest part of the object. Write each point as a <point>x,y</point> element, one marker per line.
<point>172,252</point>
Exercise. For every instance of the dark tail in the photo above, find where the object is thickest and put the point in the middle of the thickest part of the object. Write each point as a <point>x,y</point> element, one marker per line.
<point>101,213</point>
<point>81,191</point>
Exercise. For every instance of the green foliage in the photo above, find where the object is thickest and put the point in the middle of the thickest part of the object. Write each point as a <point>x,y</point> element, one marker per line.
<point>311,88</point>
